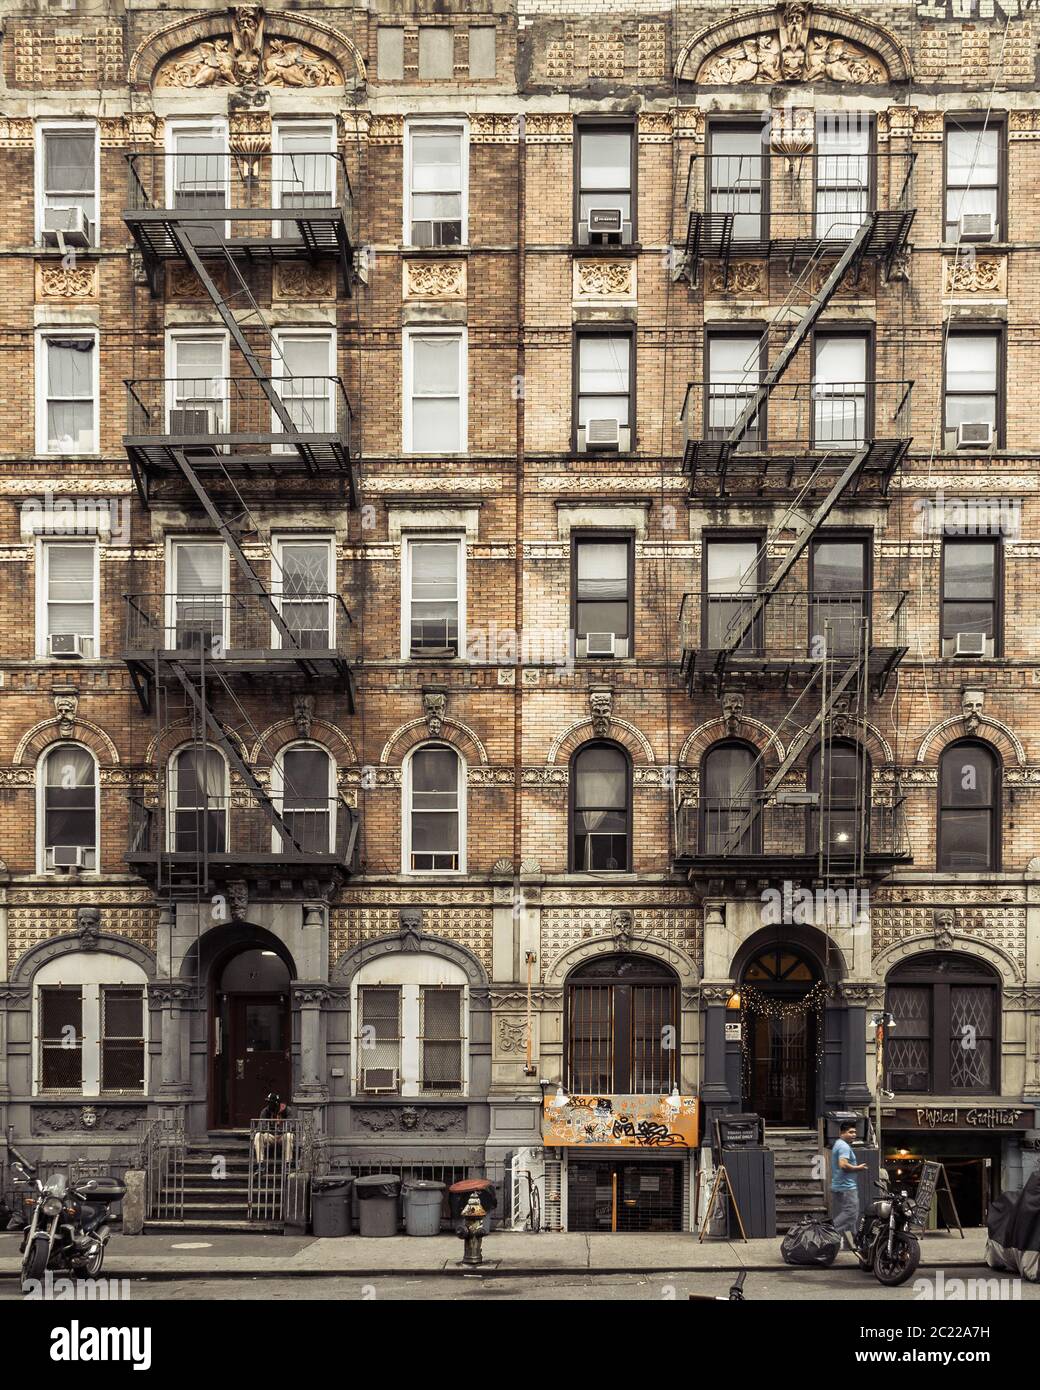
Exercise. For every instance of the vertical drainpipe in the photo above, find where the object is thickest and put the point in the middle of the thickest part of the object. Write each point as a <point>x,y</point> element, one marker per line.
<point>518,559</point>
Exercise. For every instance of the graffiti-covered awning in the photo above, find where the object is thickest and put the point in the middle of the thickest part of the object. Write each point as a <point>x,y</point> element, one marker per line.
<point>641,1122</point>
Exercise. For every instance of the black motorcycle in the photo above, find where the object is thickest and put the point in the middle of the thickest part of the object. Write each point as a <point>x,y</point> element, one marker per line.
<point>884,1242</point>
<point>67,1228</point>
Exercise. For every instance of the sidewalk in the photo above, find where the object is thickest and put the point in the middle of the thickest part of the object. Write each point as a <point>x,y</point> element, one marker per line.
<point>200,1255</point>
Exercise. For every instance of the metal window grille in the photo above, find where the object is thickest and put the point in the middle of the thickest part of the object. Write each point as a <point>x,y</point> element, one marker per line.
<point>441,1039</point>
<point>61,1038</point>
<point>122,1039</point>
<point>379,1038</point>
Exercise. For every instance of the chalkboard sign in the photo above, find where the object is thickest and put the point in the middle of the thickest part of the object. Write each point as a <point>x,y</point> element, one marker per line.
<point>925,1192</point>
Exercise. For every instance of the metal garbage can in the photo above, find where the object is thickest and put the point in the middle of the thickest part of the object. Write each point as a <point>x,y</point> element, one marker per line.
<point>459,1194</point>
<point>423,1202</point>
<point>330,1206</point>
<point>378,1202</point>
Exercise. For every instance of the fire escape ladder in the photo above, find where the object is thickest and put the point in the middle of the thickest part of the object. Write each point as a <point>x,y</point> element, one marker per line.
<point>853,251</point>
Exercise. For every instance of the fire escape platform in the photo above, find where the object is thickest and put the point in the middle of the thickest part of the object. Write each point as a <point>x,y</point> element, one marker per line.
<point>766,471</point>
<point>797,865</point>
<point>243,456</point>
<point>709,671</point>
<point>168,867</point>
<point>790,238</point>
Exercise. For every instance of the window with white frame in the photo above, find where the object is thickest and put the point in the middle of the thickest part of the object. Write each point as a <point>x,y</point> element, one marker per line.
<point>197,596</point>
<point>198,796</point>
<point>197,384</point>
<point>436,184</point>
<point>67,607</point>
<point>67,392</point>
<point>303,585</point>
<point>434,830</point>
<point>68,809</point>
<point>434,570</point>
<point>89,1030</point>
<point>304,783</point>
<point>410,1038</point>
<point>198,172</point>
<point>304,172</point>
<point>67,184</point>
<point>303,365</point>
<point>435,405</point>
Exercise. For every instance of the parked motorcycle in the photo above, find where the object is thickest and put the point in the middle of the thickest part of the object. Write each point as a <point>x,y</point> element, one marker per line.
<point>884,1242</point>
<point>68,1227</point>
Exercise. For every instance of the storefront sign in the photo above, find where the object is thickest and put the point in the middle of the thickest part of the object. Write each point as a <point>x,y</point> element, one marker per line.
<point>961,1117</point>
<point>641,1122</point>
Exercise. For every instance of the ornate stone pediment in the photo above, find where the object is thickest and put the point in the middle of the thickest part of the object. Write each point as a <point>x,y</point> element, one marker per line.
<point>245,47</point>
<point>796,42</point>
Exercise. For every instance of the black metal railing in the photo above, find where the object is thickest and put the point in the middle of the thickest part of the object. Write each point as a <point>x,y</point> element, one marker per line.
<point>245,188</point>
<point>800,826</point>
<point>794,625</point>
<point>228,628</point>
<point>236,829</point>
<point>234,414</point>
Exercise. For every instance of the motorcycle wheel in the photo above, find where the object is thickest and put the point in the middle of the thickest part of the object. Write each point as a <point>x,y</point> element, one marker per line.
<point>92,1264</point>
<point>897,1269</point>
<point>34,1263</point>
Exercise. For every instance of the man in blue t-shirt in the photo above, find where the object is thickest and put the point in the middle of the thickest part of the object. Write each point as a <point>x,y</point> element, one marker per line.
<point>844,1187</point>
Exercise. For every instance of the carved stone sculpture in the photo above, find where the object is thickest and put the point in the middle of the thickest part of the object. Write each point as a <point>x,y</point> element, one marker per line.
<point>792,53</point>
<point>88,926</point>
<point>601,707</point>
<point>435,706</point>
<point>247,58</point>
<point>971,708</point>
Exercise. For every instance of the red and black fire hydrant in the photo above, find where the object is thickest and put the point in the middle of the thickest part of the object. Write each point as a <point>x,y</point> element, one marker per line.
<point>472,1232</point>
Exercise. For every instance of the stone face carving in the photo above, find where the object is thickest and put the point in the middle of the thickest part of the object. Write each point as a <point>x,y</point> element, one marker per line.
<point>435,706</point>
<point>384,1119</point>
<point>435,279</point>
<point>944,919</point>
<point>65,707</point>
<point>238,898</point>
<point>971,708</point>
<point>410,919</point>
<point>732,709</point>
<point>303,714</point>
<point>621,930</point>
<point>792,52</point>
<point>601,707</point>
<point>248,59</point>
<point>88,926</point>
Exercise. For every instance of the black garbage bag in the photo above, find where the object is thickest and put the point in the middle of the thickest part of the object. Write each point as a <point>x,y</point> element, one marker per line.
<point>377,1185</point>
<point>811,1243</point>
<point>1013,1231</point>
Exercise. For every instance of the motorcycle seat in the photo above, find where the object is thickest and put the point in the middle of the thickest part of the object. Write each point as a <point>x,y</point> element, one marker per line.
<point>100,1190</point>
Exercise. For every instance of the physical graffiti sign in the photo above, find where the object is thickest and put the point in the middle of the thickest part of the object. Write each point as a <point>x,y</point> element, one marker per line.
<point>643,1122</point>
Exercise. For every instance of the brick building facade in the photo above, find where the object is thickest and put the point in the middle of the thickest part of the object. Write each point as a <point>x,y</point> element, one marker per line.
<point>436,737</point>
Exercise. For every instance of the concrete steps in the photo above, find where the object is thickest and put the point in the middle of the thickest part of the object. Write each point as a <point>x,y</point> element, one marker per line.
<point>799,1195</point>
<point>210,1202</point>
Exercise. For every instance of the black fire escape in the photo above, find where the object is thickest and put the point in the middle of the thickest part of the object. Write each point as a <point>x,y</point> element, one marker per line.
<point>196,654</point>
<point>770,434</point>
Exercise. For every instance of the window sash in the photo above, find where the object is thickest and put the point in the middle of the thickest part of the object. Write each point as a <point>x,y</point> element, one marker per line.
<point>383,1050</point>
<point>441,1039</point>
<point>70,599</point>
<point>70,404</point>
<point>60,1059</point>
<point>122,1052</point>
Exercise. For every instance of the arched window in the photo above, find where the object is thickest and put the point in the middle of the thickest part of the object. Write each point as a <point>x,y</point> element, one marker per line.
<point>839,772</point>
<point>410,1038</point>
<point>304,786</point>
<point>434,834</point>
<point>969,801</point>
<point>729,777</point>
<point>90,1026</point>
<point>601,808</point>
<point>945,1037</point>
<point>68,808</point>
<point>199,801</point>
<point>622,1027</point>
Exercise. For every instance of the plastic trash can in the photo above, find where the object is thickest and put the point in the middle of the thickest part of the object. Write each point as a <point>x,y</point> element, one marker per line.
<point>378,1198</point>
<point>330,1206</point>
<point>459,1194</point>
<point>423,1202</point>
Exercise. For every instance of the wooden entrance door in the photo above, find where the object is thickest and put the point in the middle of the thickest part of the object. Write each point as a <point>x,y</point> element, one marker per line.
<point>257,1055</point>
<point>783,1061</point>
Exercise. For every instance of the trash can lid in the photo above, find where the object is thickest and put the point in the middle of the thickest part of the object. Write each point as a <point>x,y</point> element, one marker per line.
<point>422,1185</point>
<point>378,1185</point>
<point>329,1184</point>
<point>471,1185</point>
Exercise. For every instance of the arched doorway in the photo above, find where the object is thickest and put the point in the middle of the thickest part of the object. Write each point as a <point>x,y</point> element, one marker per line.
<point>781,1038</point>
<point>252,1033</point>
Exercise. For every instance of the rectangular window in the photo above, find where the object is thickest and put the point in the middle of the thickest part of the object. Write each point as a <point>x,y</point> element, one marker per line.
<point>839,599</point>
<point>390,53</point>
<point>436,185</point>
<point>910,1042</point>
<point>606,184</point>
<point>433,781</point>
<point>379,1039</point>
<point>69,590</point>
<point>198,596</point>
<point>198,386</point>
<point>302,584</point>
<point>974,176</point>
<point>61,1038</point>
<point>731,578</point>
<point>303,365</point>
<point>122,1039</point>
<point>843,174</point>
<point>67,393</point>
<point>840,395</point>
<point>67,185</point>
<point>482,51</point>
<point>433,579</point>
<point>440,1039</point>
<point>435,392</point>
<point>734,371</point>
<point>972,389</point>
<point>604,403</point>
<point>738,181</point>
<point>970,597</point>
<point>436,51</point>
<point>198,173</point>
<point>303,173</point>
<point>602,617</point>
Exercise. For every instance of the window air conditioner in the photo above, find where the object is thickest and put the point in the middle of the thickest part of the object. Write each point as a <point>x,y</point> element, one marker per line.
<point>604,225</point>
<point>66,856</point>
<point>379,1079</point>
<point>978,226</point>
<point>975,434</point>
<point>602,434</point>
<point>970,644</point>
<point>65,227</point>
<point>194,420</point>
<point>600,644</point>
<point>65,644</point>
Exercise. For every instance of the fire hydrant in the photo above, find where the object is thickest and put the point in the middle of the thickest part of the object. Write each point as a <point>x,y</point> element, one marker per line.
<point>473,1234</point>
